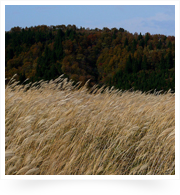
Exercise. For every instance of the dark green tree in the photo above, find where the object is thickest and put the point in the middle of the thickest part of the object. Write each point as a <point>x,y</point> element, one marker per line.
<point>150,46</point>
<point>162,62</point>
<point>141,43</point>
<point>159,44</point>
<point>147,37</point>
<point>58,44</point>
<point>134,44</point>
<point>140,36</point>
<point>126,42</point>
<point>144,64</point>
<point>128,67</point>
<point>169,61</point>
<point>135,66</point>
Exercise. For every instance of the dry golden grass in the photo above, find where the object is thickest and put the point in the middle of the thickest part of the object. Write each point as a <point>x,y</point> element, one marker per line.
<point>58,129</point>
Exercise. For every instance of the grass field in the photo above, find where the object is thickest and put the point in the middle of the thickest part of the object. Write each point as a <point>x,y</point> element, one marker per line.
<point>56,128</point>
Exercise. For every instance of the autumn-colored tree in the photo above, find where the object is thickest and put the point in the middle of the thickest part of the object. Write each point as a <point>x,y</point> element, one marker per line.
<point>106,56</point>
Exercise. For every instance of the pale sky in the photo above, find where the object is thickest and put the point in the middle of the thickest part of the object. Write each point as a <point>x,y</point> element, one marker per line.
<point>155,19</point>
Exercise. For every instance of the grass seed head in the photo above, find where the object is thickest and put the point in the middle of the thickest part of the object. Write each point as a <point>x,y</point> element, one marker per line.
<point>57,127</point>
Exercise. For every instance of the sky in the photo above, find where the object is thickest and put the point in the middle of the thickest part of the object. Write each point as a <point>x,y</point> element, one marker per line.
<point>155,19</point>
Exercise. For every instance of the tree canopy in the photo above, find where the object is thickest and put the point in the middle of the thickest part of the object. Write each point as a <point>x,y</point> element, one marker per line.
<point>112,57</point>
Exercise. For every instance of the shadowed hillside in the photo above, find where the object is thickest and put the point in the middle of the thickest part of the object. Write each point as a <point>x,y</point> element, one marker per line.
<point>112,57</point>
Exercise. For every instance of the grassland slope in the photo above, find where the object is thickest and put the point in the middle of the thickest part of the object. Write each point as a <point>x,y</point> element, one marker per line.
<point>57,128</point>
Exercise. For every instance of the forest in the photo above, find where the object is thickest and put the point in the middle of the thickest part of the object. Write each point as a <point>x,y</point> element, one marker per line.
<point>111,57</point>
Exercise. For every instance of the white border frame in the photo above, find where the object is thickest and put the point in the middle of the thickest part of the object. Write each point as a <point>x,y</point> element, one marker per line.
<point>93,177</point>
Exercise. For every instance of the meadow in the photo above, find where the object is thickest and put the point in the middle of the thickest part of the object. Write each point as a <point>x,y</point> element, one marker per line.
<point>57,128</point>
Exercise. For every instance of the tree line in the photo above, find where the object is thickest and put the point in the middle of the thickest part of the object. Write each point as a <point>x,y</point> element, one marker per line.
<point>112,57</point>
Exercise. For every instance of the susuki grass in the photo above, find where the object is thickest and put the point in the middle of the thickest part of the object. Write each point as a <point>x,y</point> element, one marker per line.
<point>56,128</point>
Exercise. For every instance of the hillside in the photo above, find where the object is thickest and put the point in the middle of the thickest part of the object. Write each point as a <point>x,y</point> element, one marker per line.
<point>56,128</point>
<point>113,57</point>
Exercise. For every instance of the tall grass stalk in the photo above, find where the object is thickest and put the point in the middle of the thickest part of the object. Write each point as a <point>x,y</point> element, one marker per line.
<point>56,128</point>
